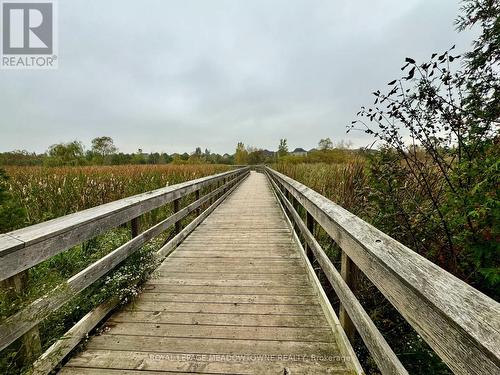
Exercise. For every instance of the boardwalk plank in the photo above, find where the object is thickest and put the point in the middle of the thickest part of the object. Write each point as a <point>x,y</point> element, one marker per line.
<point>204,364</point>
<point>236,286</point>
<point>248,320</point>
<point>229,298</point>
<point>210,345</point>
<point>222,332</point>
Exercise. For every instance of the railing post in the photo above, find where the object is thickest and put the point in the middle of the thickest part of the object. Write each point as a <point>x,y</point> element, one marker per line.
<point>29,344</point>
<point>347,271</point>
<point>177,207</point>
<point>135,226</point>
<point>197,197</point>
<point>310,227</point>
<point>223,183</point>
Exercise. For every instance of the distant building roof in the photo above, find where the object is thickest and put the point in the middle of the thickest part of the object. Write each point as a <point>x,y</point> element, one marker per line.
<point>298,149</point>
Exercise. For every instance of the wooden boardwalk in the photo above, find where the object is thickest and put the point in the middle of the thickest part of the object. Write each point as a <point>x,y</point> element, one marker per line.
<point>236,297</point>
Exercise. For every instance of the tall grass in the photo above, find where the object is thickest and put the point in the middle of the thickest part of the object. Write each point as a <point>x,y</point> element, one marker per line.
<point>46,193</point>
<point>344,184</point>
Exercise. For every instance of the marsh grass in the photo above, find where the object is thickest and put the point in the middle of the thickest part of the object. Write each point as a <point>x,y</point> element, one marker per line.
<point>47,193</point>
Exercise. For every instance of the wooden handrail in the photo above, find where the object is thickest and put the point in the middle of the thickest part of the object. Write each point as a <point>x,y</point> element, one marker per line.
<point>69,230</point>
<point>25,248</point>
<point>461,324</point>
<point>382,353</point>
<point>56,353</point>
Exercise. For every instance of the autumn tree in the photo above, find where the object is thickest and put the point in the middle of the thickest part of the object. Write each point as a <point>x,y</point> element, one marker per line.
<point>241,155</point>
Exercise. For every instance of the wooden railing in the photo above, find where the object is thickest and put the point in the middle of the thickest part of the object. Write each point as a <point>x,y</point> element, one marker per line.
<point>459,323</point>
<point>25,248</point>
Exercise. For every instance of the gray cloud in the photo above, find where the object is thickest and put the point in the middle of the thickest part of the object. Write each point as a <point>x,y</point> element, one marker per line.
<point>172,75</point>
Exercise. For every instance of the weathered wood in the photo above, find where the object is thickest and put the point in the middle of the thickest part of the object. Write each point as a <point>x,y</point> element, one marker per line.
<point>135,226</point>
<point>196,197</point>
<point>18,324</point>
<point>227,275</point>
<point>188,363</point>
<point>222,332</point>
<point>28,345</point>
<point>152,287</point>
<point>246,320</point>
<point>62,347</point>
<point>236,368</point>
<point>343,343</point>
<point>245,254</point>
<point>171,245</point>
<point>231,282</point>
<point>310,228</point>
<point>177,207</point>
<point>211,345</point>
<point>229,298</point>
<point>24,248</point>
<point>385,358</point>
<point>460,323</point>
<point>347,270</point>
<point>278,269</point>
<point>254,300</point>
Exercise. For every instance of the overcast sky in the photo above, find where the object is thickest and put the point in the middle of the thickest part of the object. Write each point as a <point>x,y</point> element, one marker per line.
<point>173,75</point>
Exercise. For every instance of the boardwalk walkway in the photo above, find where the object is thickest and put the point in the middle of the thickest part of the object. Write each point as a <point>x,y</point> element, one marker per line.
<point>234,298</point>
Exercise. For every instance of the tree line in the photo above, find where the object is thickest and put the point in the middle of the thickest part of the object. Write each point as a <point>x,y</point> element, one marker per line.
<point>103,151</point>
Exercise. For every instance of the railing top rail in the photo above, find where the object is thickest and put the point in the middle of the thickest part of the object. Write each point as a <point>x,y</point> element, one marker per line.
<point>26,247</point>
<point>459,322</point>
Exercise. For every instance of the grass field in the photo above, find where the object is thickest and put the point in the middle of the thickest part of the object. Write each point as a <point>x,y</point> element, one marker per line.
<point>47,193</point>
<point>343,183</point>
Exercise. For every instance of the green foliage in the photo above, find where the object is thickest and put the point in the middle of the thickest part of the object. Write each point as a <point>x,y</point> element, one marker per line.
<point>333,156</point>
<point>438,192</point>
<point>241,155</point>
<point>283,148</point>
<point>256,157</point>
<point>21,157</point>
<point>325,144</point>
<point>104,152</point>
<point>102,149</point>
<point>70,153</point>
<point>478,228</point>
<point>481,63</point>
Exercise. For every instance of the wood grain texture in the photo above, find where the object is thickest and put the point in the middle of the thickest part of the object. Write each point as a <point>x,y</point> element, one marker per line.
<point>245,291</point>
<point>20,323</point>
<point>62,347</point>
<point>345,347</point>
<point>386,359</point>
<point>460,323</point>
<point>24,248</point>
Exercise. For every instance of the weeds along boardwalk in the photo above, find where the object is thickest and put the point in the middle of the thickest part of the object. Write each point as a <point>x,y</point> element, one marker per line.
<point>235,297</point>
